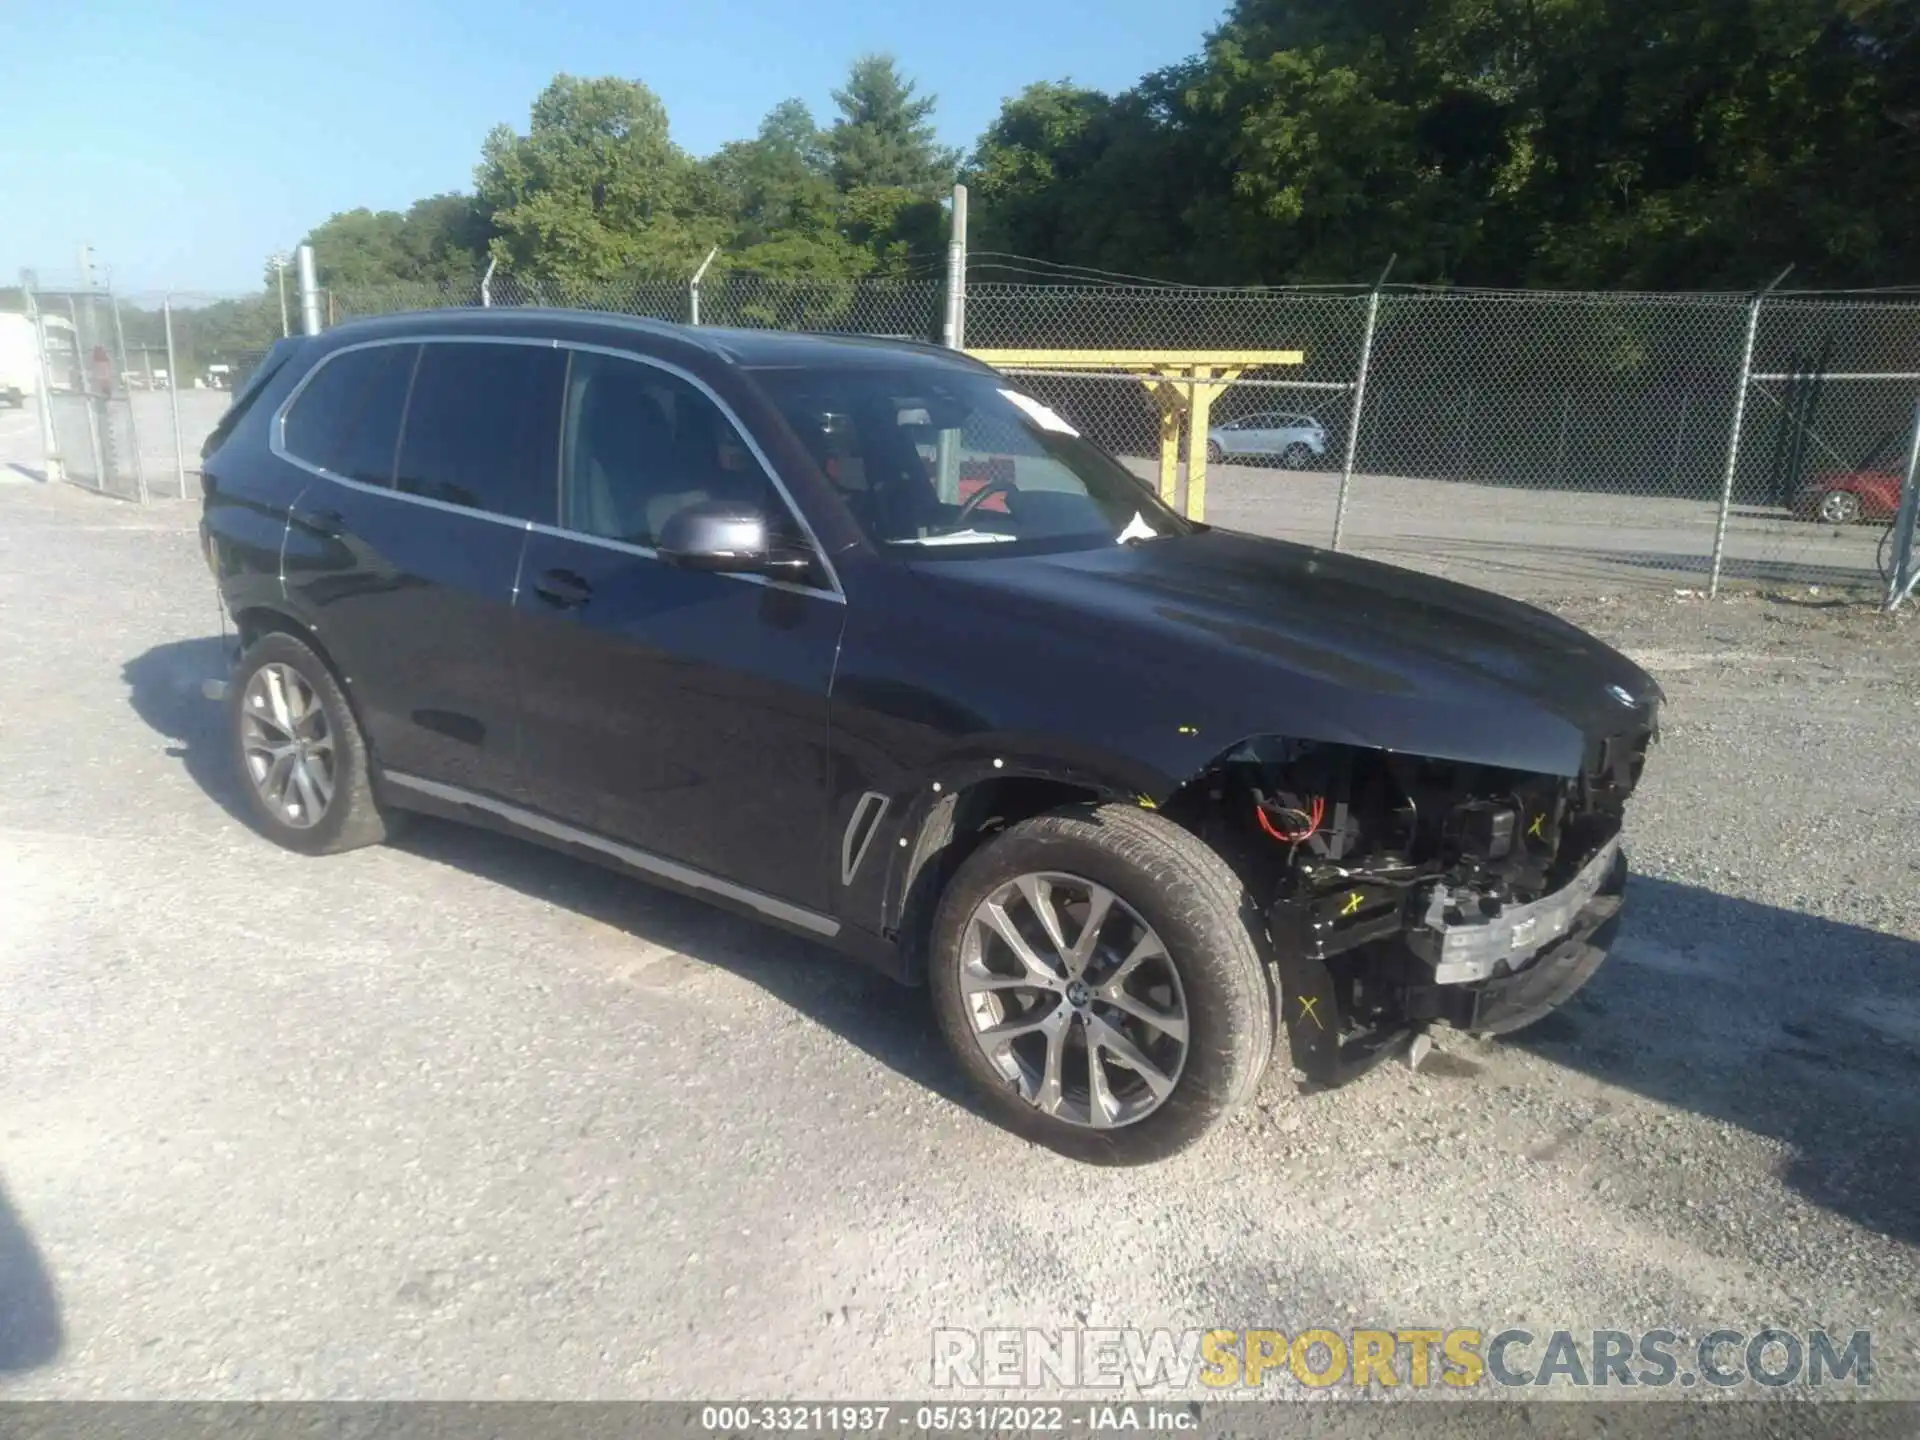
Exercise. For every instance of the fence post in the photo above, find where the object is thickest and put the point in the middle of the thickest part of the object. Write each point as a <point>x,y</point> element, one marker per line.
<point>173,395</point>
<point>309,292</point>
<point>1359,403</point>
<point>1903,572</point>
<point>1739,423</point>
<point>49,437</point>
<point>953,330</point>
<point>693,286</point>
<point>83,367</point>
<point>133,427</point>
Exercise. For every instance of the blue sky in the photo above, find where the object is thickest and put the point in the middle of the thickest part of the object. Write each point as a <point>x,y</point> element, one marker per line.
<point>187,141</point>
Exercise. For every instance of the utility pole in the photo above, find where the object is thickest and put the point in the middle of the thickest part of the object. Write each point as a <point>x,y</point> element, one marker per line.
<point>309,291</point>
<point>953,333</point>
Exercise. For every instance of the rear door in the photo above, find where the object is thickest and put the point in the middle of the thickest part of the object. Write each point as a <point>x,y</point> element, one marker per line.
<point>430,461</point>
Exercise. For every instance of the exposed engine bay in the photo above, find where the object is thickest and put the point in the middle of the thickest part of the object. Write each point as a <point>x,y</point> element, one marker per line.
<point>1401,891</point>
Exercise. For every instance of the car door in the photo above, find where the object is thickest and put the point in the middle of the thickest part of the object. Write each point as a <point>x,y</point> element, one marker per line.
<point>1232,436</point>
<point>1261,437</point>
<point>429,460</point>
<point>680,712</point>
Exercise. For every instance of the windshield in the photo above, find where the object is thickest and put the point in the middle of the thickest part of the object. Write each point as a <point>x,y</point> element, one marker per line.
<point>939,461</point>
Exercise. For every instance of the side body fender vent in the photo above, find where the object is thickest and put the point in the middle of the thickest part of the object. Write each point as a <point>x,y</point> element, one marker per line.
<point>861,826</point>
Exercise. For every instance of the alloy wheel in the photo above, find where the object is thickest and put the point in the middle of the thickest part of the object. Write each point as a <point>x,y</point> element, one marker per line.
<point>1074,1000</point>
<point>288,746</point>
<point>1839,507</point>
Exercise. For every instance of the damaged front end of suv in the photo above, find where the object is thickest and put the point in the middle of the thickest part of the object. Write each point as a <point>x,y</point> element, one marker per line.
<point>1400,892</point>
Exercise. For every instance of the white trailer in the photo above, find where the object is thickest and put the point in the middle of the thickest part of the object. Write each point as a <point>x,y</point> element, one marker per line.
<point>19,360</point>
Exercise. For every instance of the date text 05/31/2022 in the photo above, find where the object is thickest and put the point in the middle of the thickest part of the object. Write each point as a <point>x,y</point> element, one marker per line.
<point>993,1417</point>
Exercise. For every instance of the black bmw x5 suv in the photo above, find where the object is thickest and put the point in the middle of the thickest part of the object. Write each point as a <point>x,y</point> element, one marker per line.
<point>856,636</point>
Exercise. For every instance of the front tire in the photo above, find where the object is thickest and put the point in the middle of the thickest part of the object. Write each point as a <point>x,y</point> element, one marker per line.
<point>301,760</point>
<point>1118,1045</point>
<point>1297,456</point>
<point>1214,453</point>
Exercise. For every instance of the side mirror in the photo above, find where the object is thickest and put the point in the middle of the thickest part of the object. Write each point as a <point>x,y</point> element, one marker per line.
<point>723,537</point>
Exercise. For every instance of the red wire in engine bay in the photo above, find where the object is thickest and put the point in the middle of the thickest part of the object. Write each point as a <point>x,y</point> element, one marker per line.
<point>1314,816</point>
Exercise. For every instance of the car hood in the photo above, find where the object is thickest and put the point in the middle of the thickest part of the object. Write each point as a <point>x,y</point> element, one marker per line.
<point>1244,635</point>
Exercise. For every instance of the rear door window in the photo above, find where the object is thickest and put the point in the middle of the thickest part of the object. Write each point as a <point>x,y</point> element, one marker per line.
<point>346,420</point>
<point>483,428</point>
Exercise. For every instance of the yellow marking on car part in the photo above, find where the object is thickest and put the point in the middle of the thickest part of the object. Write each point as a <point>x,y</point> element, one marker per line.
<point>1534,829</point>
<point>1308,1010</point>
<point>1189,729</point>
<point>1146,803</point>
<point>1353,903</point>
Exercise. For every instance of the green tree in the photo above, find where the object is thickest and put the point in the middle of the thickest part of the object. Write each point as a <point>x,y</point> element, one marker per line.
<point>439,240</point>
<point>444,238</point>
<point>357,248</point>
<point>1114,182</point>
<point>596,190</point>
<point>884,137</point>
<point>1568,142</point>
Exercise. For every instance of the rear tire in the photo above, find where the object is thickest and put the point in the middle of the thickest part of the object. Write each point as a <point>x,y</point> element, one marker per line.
<point>1297,456</point>
<point>1177,914</point>
<point>298,753</point>
<point>1214,453</point>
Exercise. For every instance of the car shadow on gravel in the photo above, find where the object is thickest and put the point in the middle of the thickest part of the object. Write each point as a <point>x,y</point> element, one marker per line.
<point>891,1022</point>
<point>30,1328</point>
<point>163,686</point>
<point>1787,1025</point>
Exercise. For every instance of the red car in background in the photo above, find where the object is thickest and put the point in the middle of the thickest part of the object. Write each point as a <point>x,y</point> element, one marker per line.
<point>1845,497</point>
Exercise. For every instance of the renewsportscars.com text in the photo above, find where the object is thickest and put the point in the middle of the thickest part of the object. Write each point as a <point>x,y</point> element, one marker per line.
<point>1413,1358</point>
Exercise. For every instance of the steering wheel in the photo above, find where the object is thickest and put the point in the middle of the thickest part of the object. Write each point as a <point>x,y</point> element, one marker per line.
<point>979,497</point>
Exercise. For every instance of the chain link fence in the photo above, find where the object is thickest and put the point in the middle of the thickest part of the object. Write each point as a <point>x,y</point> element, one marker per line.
<point>80,381</point>
<point>1533,441</point>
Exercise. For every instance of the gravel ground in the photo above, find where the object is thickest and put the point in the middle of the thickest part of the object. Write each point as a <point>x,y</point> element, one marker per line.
<point>461,1118</point>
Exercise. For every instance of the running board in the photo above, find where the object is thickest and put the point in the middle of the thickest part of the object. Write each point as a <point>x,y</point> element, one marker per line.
<point>643,861</point>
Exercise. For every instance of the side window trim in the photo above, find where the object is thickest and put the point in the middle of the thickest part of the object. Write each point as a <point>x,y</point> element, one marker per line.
<point>276,442</point>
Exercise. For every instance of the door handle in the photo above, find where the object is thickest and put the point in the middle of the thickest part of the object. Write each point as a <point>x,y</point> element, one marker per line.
<point>322,522</point>
<point>563,588</point>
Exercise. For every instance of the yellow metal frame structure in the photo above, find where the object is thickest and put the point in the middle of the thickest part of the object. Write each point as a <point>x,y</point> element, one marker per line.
<point>1182,383</point>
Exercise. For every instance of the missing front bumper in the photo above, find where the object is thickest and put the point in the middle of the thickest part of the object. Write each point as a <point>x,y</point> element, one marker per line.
<point>1329,1048</point>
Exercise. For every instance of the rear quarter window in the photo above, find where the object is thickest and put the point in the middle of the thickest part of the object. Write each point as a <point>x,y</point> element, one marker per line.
<point>249,393</point>
<point>346,419</point>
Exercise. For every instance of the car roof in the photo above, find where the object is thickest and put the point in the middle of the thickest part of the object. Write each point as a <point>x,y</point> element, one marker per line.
<point>751,349</point>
